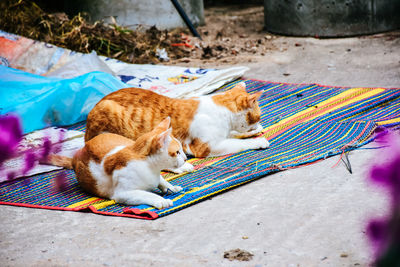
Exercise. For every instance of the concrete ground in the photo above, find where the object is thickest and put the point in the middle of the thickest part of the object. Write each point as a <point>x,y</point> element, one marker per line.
<point>310,216</point>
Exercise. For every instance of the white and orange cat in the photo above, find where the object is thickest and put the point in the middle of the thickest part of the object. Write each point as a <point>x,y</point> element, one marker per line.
<point>115,167</point>
<point>206,126</point>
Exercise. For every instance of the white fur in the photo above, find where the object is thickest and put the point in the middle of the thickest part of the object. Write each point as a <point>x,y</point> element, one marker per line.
<point>104,183</point>
<point>132,184</point>
<point>213,124</point>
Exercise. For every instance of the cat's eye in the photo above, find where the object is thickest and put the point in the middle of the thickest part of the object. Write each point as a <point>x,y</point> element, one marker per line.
<point>177,152</point>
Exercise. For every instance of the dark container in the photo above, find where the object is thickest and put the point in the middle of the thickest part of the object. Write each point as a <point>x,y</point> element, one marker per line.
<point>331,18</point>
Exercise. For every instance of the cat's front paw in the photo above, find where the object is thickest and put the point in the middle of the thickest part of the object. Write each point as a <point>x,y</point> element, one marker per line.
<point>259,129</point>
<point>261,143</point>
<point>248,134</point>
<point>175,188</point>
<point>186,167</point>
<point>163,203</point>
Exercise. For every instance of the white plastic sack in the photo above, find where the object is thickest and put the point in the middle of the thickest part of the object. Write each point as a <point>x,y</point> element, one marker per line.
<point>174,81</point>
<point>80,65</point>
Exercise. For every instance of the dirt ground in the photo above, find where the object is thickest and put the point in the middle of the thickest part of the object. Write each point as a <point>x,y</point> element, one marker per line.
<point>232,34</point>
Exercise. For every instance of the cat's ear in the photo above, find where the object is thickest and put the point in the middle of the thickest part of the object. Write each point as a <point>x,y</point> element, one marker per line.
<point>164,138</point>
<point>253,98</point>
<point>164,125</point>
<point>238,89</point>
<point>240,86</point>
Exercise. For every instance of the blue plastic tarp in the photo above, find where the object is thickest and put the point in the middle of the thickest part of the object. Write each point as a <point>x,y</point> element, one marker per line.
<point>41,102</point>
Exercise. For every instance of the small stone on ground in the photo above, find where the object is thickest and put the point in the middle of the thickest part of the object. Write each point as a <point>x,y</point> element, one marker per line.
<point>238,254</point>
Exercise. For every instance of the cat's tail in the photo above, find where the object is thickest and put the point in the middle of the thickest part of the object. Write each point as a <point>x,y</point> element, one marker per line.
<point>58,160</point>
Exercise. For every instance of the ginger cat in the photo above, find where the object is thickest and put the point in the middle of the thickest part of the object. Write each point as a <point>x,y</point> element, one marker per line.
<point>115,167</point>
<point>206,126</point>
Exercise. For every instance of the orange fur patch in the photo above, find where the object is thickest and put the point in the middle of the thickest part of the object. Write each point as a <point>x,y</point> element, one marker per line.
<point>58,160</point>
<point>199,148</point>
<point>235,99</point>
<point>254,115</point>
<point>131,112</point>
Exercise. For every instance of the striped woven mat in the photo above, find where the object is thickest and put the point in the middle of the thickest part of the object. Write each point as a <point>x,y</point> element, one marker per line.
<point>304,124</point>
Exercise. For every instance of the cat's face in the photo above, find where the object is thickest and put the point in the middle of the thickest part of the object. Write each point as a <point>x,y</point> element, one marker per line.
<point>167,146</point>
<point>244,107</point>
<point>247,120</point>
<point>248,112</point>
<point>176,157</point>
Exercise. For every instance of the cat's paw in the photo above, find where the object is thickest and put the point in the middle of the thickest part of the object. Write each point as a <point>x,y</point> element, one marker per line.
<point>259,129</point>
<point>186,167</point>
<point>248,134</point>
<point>175,188</point>
<point>261,143</point>
<point>163,203</point>
<point>170,188</point>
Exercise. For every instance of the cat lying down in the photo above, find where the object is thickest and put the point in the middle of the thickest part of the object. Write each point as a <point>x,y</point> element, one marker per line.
<point>115,167</point>
<point>206,126</point>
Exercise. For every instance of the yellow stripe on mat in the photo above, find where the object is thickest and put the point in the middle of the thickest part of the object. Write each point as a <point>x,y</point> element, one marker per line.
<point>386,122</point>
<point>85,202</point>
<point>347,97</point>
<point>103,204</point>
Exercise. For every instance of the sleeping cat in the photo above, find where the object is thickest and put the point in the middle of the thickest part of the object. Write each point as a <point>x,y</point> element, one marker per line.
<point>115,167</point>
<point>206,125</point>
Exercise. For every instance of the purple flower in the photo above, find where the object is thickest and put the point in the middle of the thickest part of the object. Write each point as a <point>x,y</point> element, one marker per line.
<point>30,159</point>
<point>385,233</point>
<point>60,182</point>
<point>381,129</point>
<point>46,148</point>
<point>10,136</point>
<point>388,173</point>
<point>10,176</point>
<point>377,231</point>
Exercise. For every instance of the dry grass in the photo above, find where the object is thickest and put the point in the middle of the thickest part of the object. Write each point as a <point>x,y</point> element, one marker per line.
<point>26,18</point>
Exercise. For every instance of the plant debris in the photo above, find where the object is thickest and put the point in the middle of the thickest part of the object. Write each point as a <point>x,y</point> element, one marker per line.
<point>230,36</point>
<point>26,18</point>
<point>238,254</point>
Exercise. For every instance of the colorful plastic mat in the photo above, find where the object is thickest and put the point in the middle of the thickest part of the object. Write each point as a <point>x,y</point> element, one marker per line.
<point>304,124</point>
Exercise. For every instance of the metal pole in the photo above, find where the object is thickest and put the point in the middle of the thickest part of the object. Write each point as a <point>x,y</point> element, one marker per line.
<point>185,18</point>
